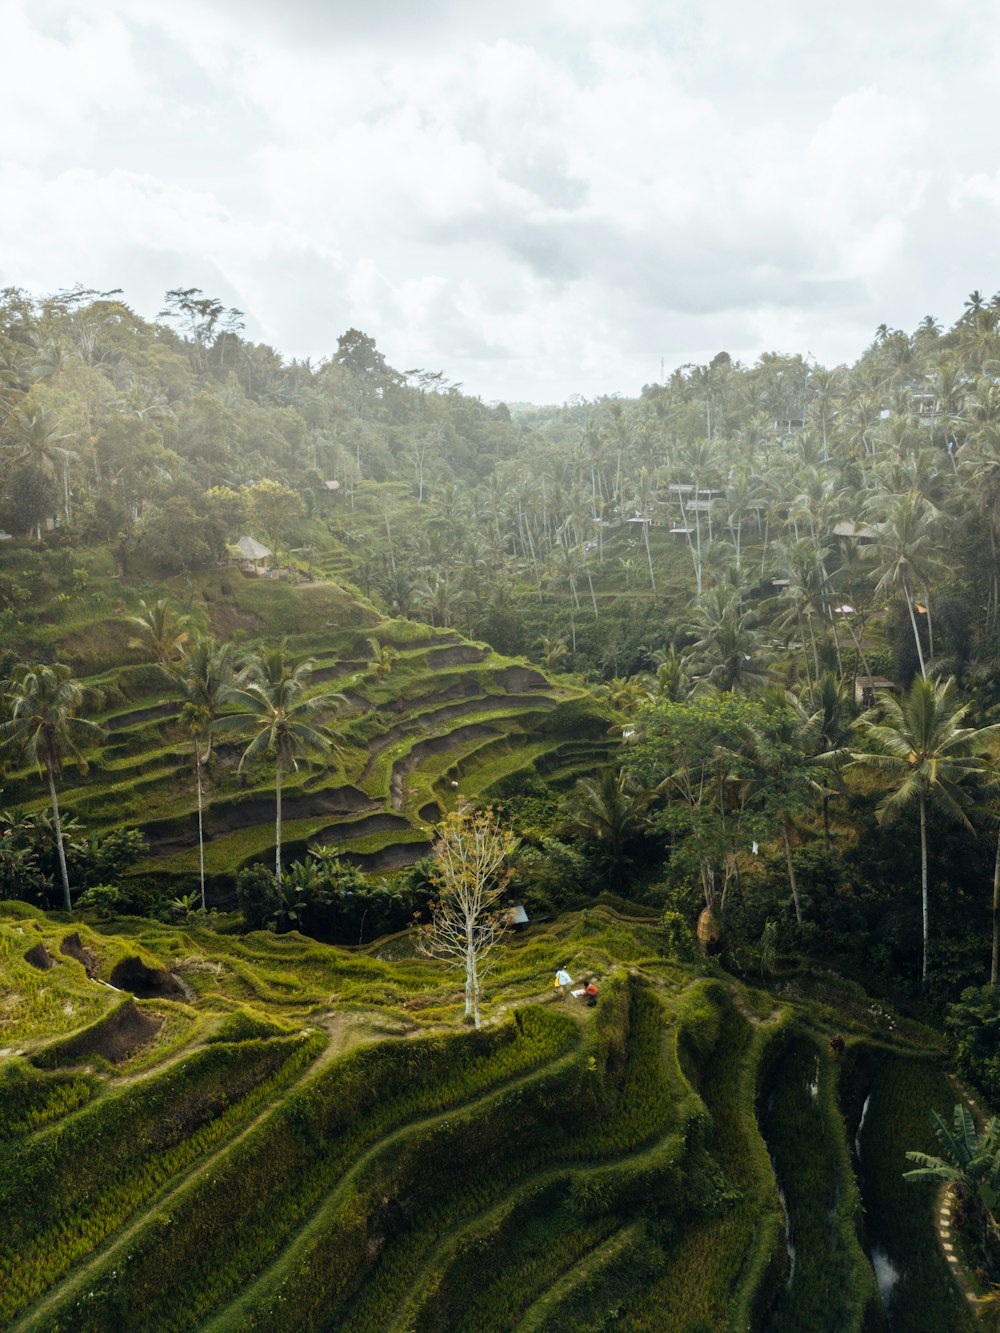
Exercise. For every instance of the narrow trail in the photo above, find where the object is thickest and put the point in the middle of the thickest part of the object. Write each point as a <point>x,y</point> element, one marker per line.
<point>270,1277</point>
<point>77,1278</point>
<point>944,1211</point>
<point>604,1252</point>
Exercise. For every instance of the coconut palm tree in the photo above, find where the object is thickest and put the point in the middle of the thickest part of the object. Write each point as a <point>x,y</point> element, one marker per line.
<point>906,556</point>
<point>727,652</point>
<point>206,671</point>
<point>552,650</point>
<point>162,630</point>
<point>609,810</point>
<point>920,745</point>
<point>673,681</point>
<point>42,723</point>
<point>827,710</point>
<point>194,719</point>
<point>771,756</point>
<point>37,441</point>
<point>271,700</point>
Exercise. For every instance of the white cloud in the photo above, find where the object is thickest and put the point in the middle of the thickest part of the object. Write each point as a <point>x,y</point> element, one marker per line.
<point>55,82</point>
<point>537,198</point>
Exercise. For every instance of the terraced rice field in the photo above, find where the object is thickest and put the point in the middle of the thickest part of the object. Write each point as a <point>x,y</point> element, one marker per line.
<point>449,718</point>
<point>264,1132</point>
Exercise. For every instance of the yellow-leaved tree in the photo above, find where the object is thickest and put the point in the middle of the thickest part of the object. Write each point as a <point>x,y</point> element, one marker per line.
<point>468,918</point>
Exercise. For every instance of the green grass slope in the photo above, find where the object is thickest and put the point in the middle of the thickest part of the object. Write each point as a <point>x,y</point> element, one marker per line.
<point>277,1134</point>
<point>450,718</point>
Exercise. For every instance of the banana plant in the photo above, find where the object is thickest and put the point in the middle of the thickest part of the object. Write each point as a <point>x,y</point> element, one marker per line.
<point>971,1162</point>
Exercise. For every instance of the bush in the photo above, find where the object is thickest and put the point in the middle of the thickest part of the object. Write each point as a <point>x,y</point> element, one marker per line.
<point>973,1026</point>
<point>680,941</point>
<point>101,898</point>
<point>258,896</point>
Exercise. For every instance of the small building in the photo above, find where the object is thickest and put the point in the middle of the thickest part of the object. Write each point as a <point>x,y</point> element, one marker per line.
<point>866,689</point>
<point>251,555</point>
<point>862,533</point>
<point>515,915</point>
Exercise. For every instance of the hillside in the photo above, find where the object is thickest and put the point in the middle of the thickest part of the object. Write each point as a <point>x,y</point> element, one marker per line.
<point>279,1134</point>
<point>440,717</point>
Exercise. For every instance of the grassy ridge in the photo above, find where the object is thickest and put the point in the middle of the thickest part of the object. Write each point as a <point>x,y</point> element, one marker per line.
<point>30,1099</point>
<point>612,1098</point>
<point>221,1230</point>
<point>564,1168</point>
<point>831,1279</point>
<point>715,1267</point>
<point>903,1090</point>
<point>64,1191</point>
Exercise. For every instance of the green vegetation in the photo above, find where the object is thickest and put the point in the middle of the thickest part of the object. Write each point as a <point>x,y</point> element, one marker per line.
<point>830,1280</point>
<point>901,1091</point>
<point>308,1138</point>
<point>246,1127</point>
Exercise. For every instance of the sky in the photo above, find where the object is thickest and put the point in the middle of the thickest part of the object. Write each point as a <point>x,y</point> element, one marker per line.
<point>540,198</point>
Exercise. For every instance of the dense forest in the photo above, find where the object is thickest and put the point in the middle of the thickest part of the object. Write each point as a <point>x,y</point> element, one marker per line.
<point>721,661</point>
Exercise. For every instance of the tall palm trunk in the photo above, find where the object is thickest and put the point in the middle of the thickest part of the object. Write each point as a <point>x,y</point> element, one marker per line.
<point>593,599</point>
<point>923,883</point>
<point>277,821</point>
<point>791,871</point>
<point>649,558</point>
<point>59,836</point>
<point>201,831</point>
<point>916,632</point>
<point>860,654</point>
<point>930,623</point>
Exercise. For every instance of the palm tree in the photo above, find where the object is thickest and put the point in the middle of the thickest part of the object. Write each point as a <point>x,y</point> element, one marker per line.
<point>610,810</point>
<point>727,652</point>
<point>163,630</point>
<point>921,746</point>
<point>673,681</point>
<point>906,555</point>
<point>553,650</point>
<point>42,703</point>
<point>206,671</point>
<point>195,721</point>
<point>776,745</point>
<point>826,707</point>
<point>440,596</point>
<point>383,656</point>
<point>271,701</point>
<point>38,442</point>
<point>971,1162</point>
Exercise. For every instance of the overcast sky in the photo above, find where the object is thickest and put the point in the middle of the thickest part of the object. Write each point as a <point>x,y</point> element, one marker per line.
<point>539,197</point>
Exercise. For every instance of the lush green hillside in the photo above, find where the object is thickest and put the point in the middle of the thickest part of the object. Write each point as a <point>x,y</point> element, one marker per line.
<point>278,1134</point>
<point>441,717</point>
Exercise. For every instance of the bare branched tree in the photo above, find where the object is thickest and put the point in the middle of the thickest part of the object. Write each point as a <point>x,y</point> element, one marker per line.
<point>468,920</point>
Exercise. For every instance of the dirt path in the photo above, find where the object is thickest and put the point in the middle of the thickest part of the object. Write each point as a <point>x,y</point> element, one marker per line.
<point>35,1318</point>
<point>269,1277</point>
<point>943,1215</point>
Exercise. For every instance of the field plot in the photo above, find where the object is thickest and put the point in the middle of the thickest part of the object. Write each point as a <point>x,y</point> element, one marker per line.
<point>269,1133</point>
